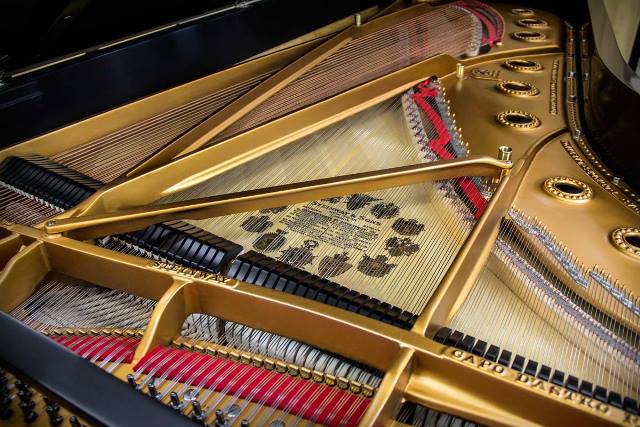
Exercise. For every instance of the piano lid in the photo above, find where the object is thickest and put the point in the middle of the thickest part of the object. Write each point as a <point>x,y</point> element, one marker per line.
<point>56,53</point>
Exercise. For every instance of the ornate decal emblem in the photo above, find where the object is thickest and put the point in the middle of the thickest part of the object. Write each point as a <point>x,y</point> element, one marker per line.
<point>299,256</point>
<point>385,210</point>
<point>375,267</point>
<point>407,227</point>
<point>334,265</point>
<point>257,224</point>
<point>399,247</point>
<point>482,74</point>
<point>270,241</point>
<point>273,210</point>
<point>332,200</point>
<point>357,201</point>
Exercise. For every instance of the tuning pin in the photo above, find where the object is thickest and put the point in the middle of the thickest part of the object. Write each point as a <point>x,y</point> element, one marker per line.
<point>176,404</point>
<point>5,412</point>
<point>244,423</point>
<point>20,385</point>
<point>54,417</point>
<point>132,381</point>
<point>198,413</point>
<point>27,410</point>
<point>25,395</point>
<point>220,420</point>
<point>75,422</point>
<point>5,403</point>
<point>153,390</point>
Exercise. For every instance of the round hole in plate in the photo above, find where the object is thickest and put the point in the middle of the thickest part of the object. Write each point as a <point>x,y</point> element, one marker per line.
<point>627,239</point>
<point>633,240</point>
<point>529,36</point>
<point>532,23</point>
<point>521,11</point>
<point>522,65</point>
<point>518,119</point>
<point>517,88</point>
<point>567,189</point>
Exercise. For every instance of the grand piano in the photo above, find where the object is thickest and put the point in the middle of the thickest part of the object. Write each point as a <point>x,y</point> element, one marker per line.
<point>358,214</point>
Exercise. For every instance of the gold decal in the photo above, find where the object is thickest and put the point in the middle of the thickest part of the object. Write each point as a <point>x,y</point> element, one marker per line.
<point>597,178</point>
<point>549,389</point>
<point>553,88</point>
<point>186,271</point>
<point>479,73</point>
<point>631,419</point>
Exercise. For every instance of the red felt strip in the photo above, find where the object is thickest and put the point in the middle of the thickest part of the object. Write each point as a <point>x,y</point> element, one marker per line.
<point>474,195</point>
<point>317,402</point>
<point>112,348</point>
<point>438,145</point>
<point>492,33</point>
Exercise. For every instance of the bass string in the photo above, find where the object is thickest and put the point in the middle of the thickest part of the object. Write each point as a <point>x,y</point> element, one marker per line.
<point>109,156</point>
<point>201,326</point>
<point>528,320</point>
<point>63,302</point>
<point>446,30</point>
<point>375,138</point>
<point>620,341</point>
<point>24,209</point>
<point>266,344</point>
<point>595,282</point>
<point>210,400</point>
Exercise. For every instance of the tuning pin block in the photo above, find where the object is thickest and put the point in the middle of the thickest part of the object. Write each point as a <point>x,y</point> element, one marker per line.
<point>5,400</point>
<point>176,404</point>
<point>75,422</point>
<point>54,416</point>
<point>153,390</point>
<point>220,419</point>
<point>198,413</point>
<point>132,381</point>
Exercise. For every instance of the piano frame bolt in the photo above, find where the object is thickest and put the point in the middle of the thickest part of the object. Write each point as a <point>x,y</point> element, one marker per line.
<point>504,153</point>
<point>358,19</point>
<point>221,421</point>
<point>460,71</point>
<point>176,404</point>
<point>75,422</point>
<point>132,381</point>
<point>198,413</point>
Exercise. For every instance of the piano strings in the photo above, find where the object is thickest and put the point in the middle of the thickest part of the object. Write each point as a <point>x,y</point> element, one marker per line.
<point>520,304</point>
<point>394,245</point>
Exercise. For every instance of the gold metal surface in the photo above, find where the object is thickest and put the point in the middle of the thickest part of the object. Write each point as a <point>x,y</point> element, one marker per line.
<point>210,162</point>
<point>602,214</point>
<point>440,377</point>
<point>517,88</point>
<point>569,189</point>
<point>523,65</point>
<point>463,272</point>
<point>207,163</point>
<point>532,23</point>
<point>212,126</point>
<point>416,368</point>
<point>104,224</point>
<point>518,119</point>
<point>110,121</point>
<point>627,240</point>
<point>529,36</point>
<point>520,11</point>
